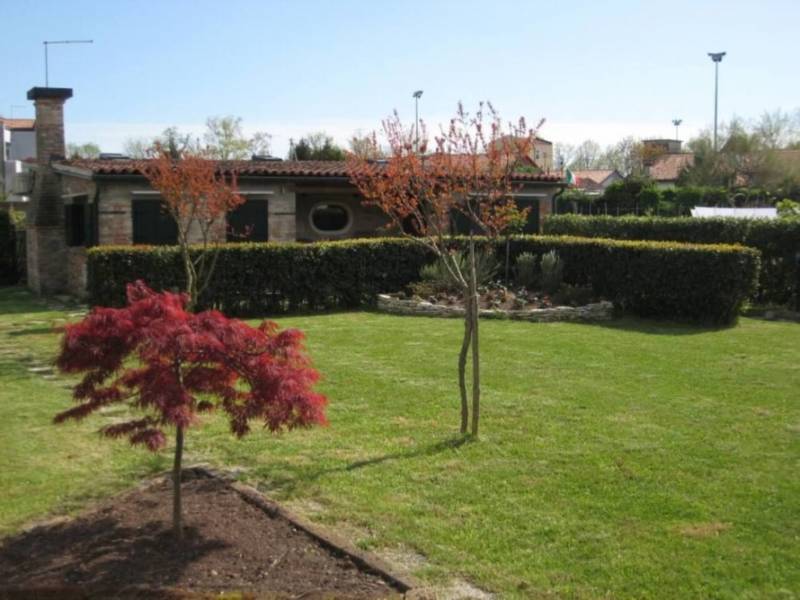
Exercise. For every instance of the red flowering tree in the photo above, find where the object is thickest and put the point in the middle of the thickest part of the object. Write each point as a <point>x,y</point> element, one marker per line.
<point>197,194</point>
<point>171,364</point>
<point>470,171</point>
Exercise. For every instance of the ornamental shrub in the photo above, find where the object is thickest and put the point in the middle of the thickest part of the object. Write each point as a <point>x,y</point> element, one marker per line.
<point>655,279</point>
<point>777,240</point>
<point>552,272</point>
<point>170,365</point>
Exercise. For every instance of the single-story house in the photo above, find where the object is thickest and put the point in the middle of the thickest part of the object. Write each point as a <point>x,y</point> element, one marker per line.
<point>595,181</point>
<point>77,204</point>
<point>665,161</point>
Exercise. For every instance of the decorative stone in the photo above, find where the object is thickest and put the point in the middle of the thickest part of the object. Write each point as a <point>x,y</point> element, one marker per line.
<point>597,311</point>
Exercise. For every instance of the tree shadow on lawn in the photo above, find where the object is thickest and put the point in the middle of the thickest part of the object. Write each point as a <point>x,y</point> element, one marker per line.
<point>657,326</point>
<point>18,300</point>
<point>99,554</point>
<point>293,484</point>
<point>43,330</point>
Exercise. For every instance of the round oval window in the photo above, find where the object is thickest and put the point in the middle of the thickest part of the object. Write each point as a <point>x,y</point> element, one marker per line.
<point>330,218</point>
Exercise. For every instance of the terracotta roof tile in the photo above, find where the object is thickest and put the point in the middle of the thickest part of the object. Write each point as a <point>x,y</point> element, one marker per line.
<point>668,167</point>
<point>277,168</point>
<point>18,123</point>
<point>593,175</point>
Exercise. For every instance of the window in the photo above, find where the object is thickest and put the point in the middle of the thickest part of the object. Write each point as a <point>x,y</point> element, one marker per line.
<point>329,218</point>
<point>152,224</point>
<point>79,222</point>
<point>249,222</point>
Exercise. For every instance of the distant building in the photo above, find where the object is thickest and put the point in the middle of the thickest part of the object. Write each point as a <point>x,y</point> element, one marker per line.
<point>664,161</point>
<point>595,181</point>
<point>17,151</point>
<point>541,154</point>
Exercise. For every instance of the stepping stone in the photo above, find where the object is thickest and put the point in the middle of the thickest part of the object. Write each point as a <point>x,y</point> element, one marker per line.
<point>49,377</point>
<point>41,370</point>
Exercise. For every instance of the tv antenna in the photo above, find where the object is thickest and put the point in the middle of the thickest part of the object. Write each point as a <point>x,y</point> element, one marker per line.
<point>46,44</point>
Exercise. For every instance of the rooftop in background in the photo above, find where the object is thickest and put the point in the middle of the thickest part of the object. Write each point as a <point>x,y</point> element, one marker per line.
<point>595,175</point>
<point>258,168</point>
<point>9,123</point>
<point>667,167</point>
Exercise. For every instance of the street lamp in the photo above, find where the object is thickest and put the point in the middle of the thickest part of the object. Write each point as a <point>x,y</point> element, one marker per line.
<point>416,95</point>
<point>677,123</point>
<point>717,58</point>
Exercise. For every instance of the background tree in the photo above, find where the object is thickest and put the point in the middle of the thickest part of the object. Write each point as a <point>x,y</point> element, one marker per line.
<point>471,172</point>
<point>197,195</point>
<point>586,156</point>
<point>161,360</point>
<point>316,146</point>
<point>225,140</point>
<point>365,146</point>
<point>87,150</point>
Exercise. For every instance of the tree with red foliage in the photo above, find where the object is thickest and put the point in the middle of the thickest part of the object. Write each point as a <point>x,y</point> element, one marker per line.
<point>471,172</point>
<point>184,364</point>
<point>197,194</point>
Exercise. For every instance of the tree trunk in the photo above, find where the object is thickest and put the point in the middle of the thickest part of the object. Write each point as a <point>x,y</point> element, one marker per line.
<point>191,281</point>
<point>476,368</point>
<point>508,258</point>
<point>462,361</point>
<point>177,521</point>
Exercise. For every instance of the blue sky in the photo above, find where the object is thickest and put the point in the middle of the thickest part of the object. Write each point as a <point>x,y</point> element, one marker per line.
<point>597,69</point>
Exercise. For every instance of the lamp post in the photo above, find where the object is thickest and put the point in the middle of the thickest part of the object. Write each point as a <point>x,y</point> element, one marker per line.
<point>717,58</point>
<point>416,95</point>
<point>677,123</point>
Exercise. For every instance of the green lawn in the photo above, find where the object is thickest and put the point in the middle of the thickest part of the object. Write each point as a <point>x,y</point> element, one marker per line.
<point>633,459</point>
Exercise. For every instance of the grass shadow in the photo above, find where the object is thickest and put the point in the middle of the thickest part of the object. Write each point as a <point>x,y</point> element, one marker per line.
<point>292,484</point>
<point>656,326</point>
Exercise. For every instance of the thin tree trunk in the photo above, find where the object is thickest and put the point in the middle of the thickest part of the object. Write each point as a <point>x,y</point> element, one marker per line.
<point>508,258</point>
<point>177,521</point>
<point>476,368</point>
<point>191,282</point>
<point>462,361</point>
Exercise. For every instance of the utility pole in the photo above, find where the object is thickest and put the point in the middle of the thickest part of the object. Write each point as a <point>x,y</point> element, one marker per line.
<point>46,61</point>
<point>416,95</point>
<point>717,58</point>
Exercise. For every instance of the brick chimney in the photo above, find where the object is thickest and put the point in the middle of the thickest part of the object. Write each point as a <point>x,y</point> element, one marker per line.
<point>46,238</point>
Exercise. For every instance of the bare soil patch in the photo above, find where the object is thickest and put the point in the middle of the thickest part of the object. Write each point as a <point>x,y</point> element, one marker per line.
<point>124,548</point>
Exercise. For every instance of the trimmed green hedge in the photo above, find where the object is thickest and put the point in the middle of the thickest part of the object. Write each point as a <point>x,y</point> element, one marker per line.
<point>692,282</point>
<point>263,278</point>
<point>9,269</point>
<point>777,240</point>
<point>679,281</point>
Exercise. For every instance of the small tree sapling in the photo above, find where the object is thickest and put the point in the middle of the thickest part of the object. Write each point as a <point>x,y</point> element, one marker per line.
<point>170,364</point>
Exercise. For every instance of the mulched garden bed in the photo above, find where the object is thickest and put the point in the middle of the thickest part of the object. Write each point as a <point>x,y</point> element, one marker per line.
<point>124,548</point>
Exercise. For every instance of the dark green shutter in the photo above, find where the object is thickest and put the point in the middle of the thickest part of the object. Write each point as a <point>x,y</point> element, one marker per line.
<point>153,225</point>
<point>249,222</point>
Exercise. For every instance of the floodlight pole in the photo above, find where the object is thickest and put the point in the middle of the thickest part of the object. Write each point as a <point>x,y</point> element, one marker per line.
<point>677,123</point>
<point>416,95</point>
<point>46,61</point>
<point>717,58</point>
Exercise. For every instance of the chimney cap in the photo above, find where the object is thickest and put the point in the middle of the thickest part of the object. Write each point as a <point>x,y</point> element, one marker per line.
<point>35,93</point>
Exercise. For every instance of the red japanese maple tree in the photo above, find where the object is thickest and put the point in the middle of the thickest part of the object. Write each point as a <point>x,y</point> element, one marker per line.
<point>172,364</point>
